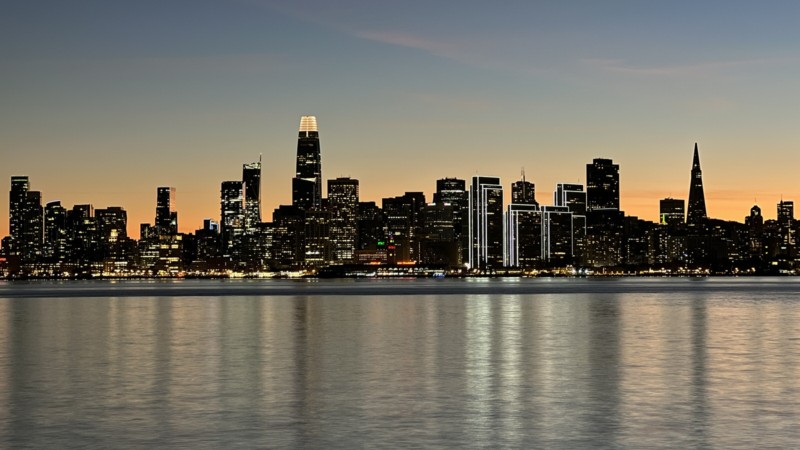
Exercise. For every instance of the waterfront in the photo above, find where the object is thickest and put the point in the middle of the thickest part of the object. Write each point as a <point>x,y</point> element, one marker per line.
<point>385,363</point>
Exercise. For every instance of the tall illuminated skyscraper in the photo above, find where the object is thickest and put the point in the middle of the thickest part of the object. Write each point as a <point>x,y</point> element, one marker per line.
<point>17,200</point>
<point>251,176</point>
<point>486,223</point>
<point>602,185</point>
<point>232,218</point>
<point>166,213</point>
<point>696,210</point>
<point>343,205</point>
<point>307,183</point>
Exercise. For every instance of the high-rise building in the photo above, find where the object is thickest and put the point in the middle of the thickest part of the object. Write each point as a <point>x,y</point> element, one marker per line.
<point>523,235</point>
<point>572,196</point>
<point>523,192</point>
<point>32,227</point>
<point>307,184</point>
<point>317,244</point>
<point>343,205</point>
<point>166,213</point>
<point>785,212</point>
<point>84,241</point>
<point>18,197</point>
<point>453,192</point>
<point>55,232</point>
<point>486,223</point>
<point>403,216</point>
<point>671,211</point>
<point>755,232</point>
<point>696,211</point>
<point>437,243</point>
<point>232,218</point>
<point>251,177</point>
<point>557,235</point>
<point>786,230</point>
<point>287,242</point>
<point>602,185</point>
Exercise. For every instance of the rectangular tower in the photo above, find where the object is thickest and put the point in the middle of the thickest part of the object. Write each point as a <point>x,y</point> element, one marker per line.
<point>486,223</point>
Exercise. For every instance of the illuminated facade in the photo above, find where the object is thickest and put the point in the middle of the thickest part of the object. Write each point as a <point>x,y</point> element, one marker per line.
<point>486,223</point>
<point>453,192</point>
<point>523,235</point>
<point>671,211</point>
<point>523,192</point>
<point>343,205</point>
<point>166,212</point>
<point>251,177</point>
<point>232,218</point>
<point>602,185</point>
<point>307,183</point>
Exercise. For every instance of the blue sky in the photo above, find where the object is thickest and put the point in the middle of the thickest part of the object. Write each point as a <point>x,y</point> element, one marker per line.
<point>103,101</point>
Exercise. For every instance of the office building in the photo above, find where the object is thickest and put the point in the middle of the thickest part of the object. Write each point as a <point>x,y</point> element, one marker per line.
<point>523,192</point>
<point>671,211</point>
<point>166,212</point>
<point>307,183</point>
<point>343,205</point>
<point>486,223</point>
<point>232,224</point>
<point>602,185</point>
<point>696,211</point>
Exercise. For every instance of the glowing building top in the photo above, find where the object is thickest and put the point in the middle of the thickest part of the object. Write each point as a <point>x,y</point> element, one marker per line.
<point>308,123</point>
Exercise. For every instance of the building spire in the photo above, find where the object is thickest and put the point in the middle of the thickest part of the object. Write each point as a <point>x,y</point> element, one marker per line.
<point>696,211</point>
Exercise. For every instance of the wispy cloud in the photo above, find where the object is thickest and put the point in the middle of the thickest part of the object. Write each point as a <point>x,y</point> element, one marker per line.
<point>620,66</point>
<point>441,48</point>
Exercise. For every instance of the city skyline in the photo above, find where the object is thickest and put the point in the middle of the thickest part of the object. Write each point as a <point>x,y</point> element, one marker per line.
<point>305,125</point>
<point>104,102</point>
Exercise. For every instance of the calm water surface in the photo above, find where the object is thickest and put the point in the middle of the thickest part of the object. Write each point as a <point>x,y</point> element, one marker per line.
<point>677,363</point>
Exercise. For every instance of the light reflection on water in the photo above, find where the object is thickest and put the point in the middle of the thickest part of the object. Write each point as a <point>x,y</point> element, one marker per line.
<point>673,364</point>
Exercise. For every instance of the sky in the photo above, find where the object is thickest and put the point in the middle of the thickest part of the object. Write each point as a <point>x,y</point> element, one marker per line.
<point>102,101</point>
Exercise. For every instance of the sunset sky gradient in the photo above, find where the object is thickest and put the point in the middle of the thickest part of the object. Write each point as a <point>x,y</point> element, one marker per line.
<point>103,101</point>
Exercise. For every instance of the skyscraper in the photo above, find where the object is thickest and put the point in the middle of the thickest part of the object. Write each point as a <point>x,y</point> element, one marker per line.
<point>453,192</point>
<point>55,232</point>
<point>602,185</point>
<point>343,204</point>
<point>523,235</point>
<point>572,196</point>
<point>671,211</point>
<point>251,176</point>
<point>523,192</point>
<point>307,184</point>
<point>166,213</point>
<point>232,218</point>
<point>26,220</point>
<point>486,223</point>
<point>696,211</point>
<point>17,198</point>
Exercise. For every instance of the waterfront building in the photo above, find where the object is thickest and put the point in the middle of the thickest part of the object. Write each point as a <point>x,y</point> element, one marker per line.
<point>671,211</point>
<point>343,206</point>
<point>166,212</point>
<point>232,223</point>
<point>696,210</point>
<point>486,223</point>
<point>523,235</point>
<point>602,185</point>
<point>453,192</point>
<point>307,183</point>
